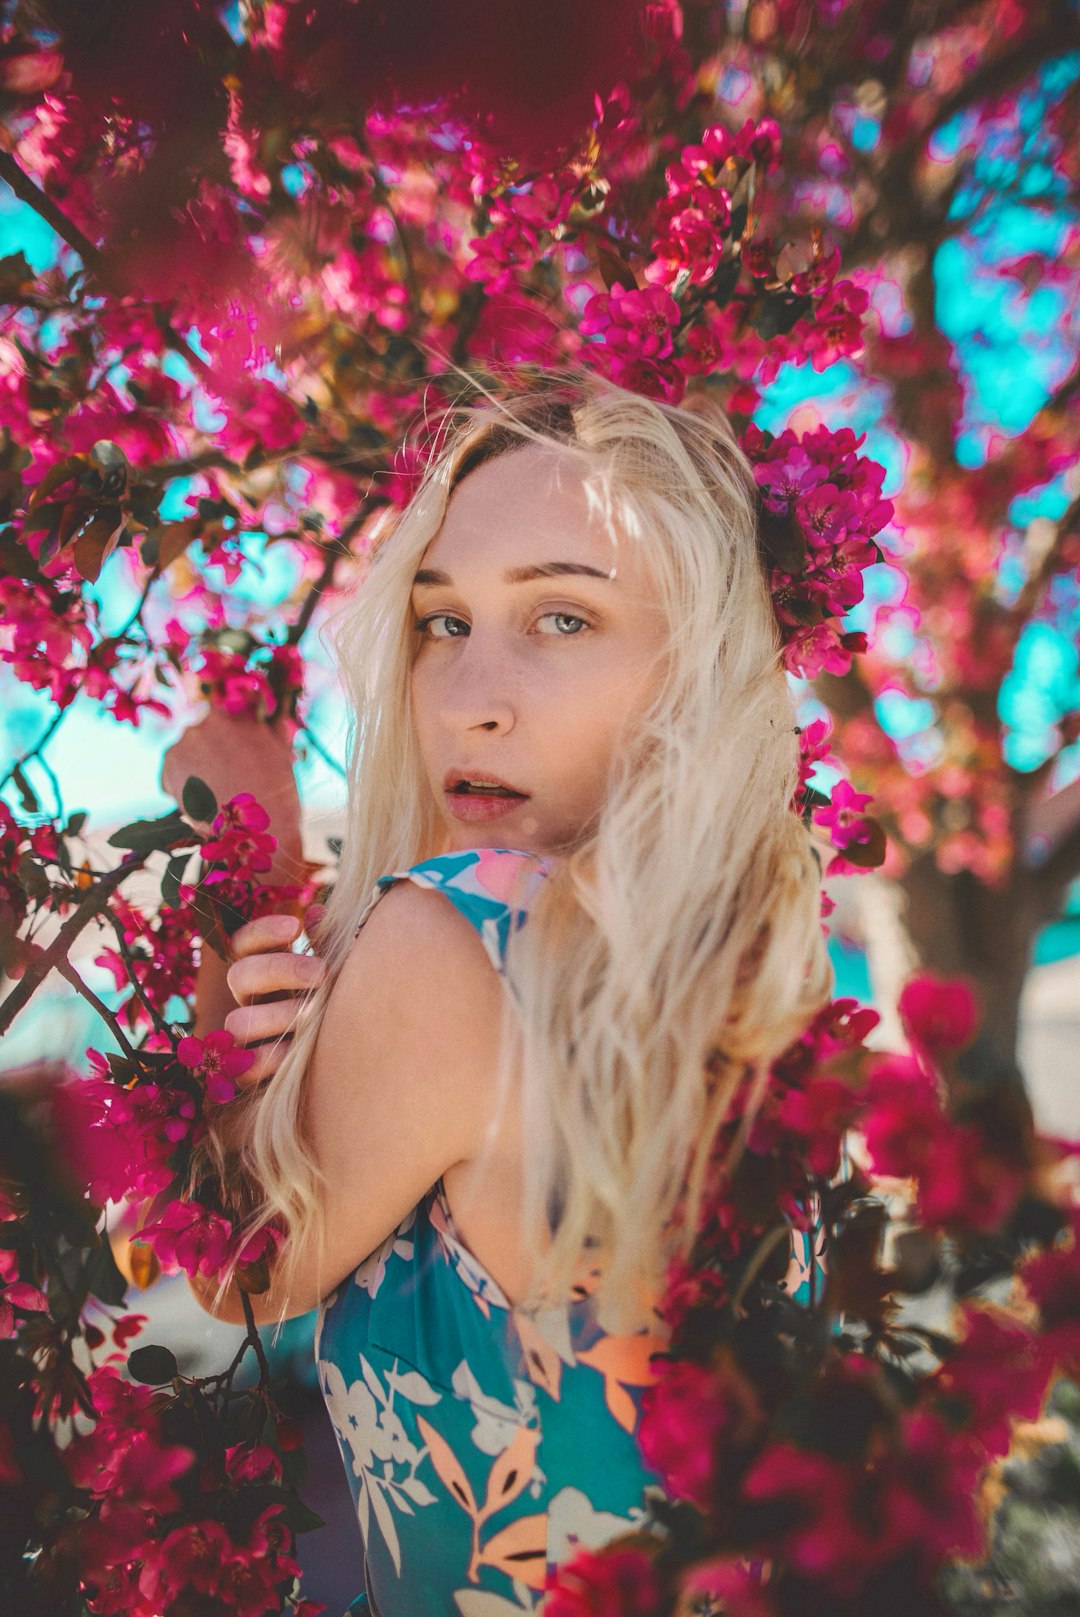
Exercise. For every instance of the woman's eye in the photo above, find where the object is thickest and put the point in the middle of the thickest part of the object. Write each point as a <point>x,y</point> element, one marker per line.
<point>424,624</point>
<point>567,617</point>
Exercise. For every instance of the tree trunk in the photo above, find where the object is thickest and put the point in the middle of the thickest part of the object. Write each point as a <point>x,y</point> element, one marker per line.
<point>958,924</point>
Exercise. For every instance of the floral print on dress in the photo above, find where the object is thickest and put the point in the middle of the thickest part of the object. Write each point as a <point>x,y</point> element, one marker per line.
<point>482,1444</point>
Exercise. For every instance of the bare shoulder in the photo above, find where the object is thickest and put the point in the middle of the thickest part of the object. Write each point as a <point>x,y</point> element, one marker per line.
<point>404,1072</point>
<point>416,961</point>
<point>403,1078</point>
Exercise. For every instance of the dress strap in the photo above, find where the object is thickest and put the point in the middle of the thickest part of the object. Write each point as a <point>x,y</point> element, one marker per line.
<point>491,887</point>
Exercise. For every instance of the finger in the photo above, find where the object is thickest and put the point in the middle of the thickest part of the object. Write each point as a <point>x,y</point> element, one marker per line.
<point>281,972</point>
<point>268,1058</point>
<point>252,1023</point>
<point>266,932</point>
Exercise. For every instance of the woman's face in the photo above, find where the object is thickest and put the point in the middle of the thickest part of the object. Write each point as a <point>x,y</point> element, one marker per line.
<point>532,658</point>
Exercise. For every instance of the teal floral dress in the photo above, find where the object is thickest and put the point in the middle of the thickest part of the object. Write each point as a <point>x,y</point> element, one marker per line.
<point>482,1445</point>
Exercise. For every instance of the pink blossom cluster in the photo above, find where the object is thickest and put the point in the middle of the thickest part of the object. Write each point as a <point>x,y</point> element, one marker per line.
<point>260,684</point>
<point>826,502</point>
<point>614,1583</point>
<point>239,849</point>
<point>136,1557</point>
<point>42,636</point>
<point>638,330</point>
<point>126,1142</point>
<point>47,640</point>
<point>160,959</point>
<point>521,223</point>
<point>694,216</point>
<point>197,1239</point>
<point>16,1293</point>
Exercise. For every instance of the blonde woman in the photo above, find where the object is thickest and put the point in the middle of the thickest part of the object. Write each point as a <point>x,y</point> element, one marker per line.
<point>484,1137</point>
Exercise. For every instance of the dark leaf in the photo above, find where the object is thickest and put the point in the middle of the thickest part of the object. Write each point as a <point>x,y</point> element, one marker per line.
<point>153,1365</point>
<point>75,823</point>
<point>782,540</point>
<point>144,836</point>
<point>27,795</point>
<point>614,268</point>
<point>775,315</point>
<point>170,882</point>
<point>103,1278</point>
<point>198,800</point>
<point>96,543</point>
<point>871,853</point>
<point>61,473</point>
<point>162,547</point>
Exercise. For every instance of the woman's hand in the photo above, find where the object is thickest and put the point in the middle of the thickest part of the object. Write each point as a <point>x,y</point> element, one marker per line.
<point>266,979</point>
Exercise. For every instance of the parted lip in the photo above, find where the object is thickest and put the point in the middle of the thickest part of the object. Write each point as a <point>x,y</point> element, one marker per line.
<point>454,776</point>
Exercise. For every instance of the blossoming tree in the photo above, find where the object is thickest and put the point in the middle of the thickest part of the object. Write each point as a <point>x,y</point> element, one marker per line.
<point>291,235</point>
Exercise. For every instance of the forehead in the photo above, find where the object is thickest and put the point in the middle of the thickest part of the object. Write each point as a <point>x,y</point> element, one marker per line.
<point>521,503</point>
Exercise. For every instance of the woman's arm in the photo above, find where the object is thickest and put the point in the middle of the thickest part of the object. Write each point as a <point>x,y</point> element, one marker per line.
<point>401,1084</point>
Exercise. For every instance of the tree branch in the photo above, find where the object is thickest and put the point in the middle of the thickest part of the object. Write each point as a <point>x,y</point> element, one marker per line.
<point>68,971</point>
<point>57,951</point>
<point>28,191</point>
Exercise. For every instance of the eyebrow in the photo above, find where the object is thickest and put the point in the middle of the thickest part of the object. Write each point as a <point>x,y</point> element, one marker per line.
<point>520,575</point>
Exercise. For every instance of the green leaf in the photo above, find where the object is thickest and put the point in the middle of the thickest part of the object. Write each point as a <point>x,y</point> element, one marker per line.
<point>103,1278</point>
<point>198,800</point>
<point>775,315</point>
<point>170,882</point>
<point>144,836</point>
<point>75,823</point>
<point>153,1365</point>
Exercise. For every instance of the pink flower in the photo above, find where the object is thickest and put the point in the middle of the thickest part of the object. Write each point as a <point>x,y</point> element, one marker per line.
<point>998,1371</point>
<point>189,1237</point>
<point>16,1293</point>
<point>240,838</point>
<point>843,818</point>
<point>1052,1281</point>
<point>939,1013</point>
<point>261,416</point>
<point>639,325</point>
<point>121,1142</point>
<point>604,1583</point>
<point>217,1059</point>
<point>124,1457</point>
<point>690,1415</point>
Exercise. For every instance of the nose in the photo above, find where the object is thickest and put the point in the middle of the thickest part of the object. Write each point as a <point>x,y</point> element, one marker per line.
<point>476,693</point>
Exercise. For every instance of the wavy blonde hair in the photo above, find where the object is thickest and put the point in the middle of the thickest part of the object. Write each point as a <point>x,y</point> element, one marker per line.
<point>680,937</point>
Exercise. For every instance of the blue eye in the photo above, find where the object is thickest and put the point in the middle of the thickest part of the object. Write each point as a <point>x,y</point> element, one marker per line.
<point>567,617</point>
<point>422,625</point>
<point>435,617</point>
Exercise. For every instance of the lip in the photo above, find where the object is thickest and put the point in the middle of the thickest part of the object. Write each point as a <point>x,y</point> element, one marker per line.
<point>453,776</point>
<point>469,806</point>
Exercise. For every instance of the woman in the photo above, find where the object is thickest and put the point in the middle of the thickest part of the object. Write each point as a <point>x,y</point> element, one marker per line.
<point>565,670</point>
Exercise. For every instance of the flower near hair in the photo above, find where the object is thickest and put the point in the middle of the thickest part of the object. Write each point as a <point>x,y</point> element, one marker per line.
<point>820,506</point>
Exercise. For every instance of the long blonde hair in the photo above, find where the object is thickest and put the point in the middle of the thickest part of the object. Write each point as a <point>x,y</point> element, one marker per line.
<point>681,936</point>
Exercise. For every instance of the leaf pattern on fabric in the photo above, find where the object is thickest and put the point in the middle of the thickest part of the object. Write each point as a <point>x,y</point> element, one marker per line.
<point>519,1550</point>
<point>623,1361</point>
<point>482,1445</point>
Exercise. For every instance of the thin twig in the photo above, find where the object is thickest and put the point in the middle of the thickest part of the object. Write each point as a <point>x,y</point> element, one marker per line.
<point>254,1338</point>
<point>43,740</point>
<point>160,1024</point>
<point>68,971</point>
<point>313,741</point>
<point>44,962</point>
